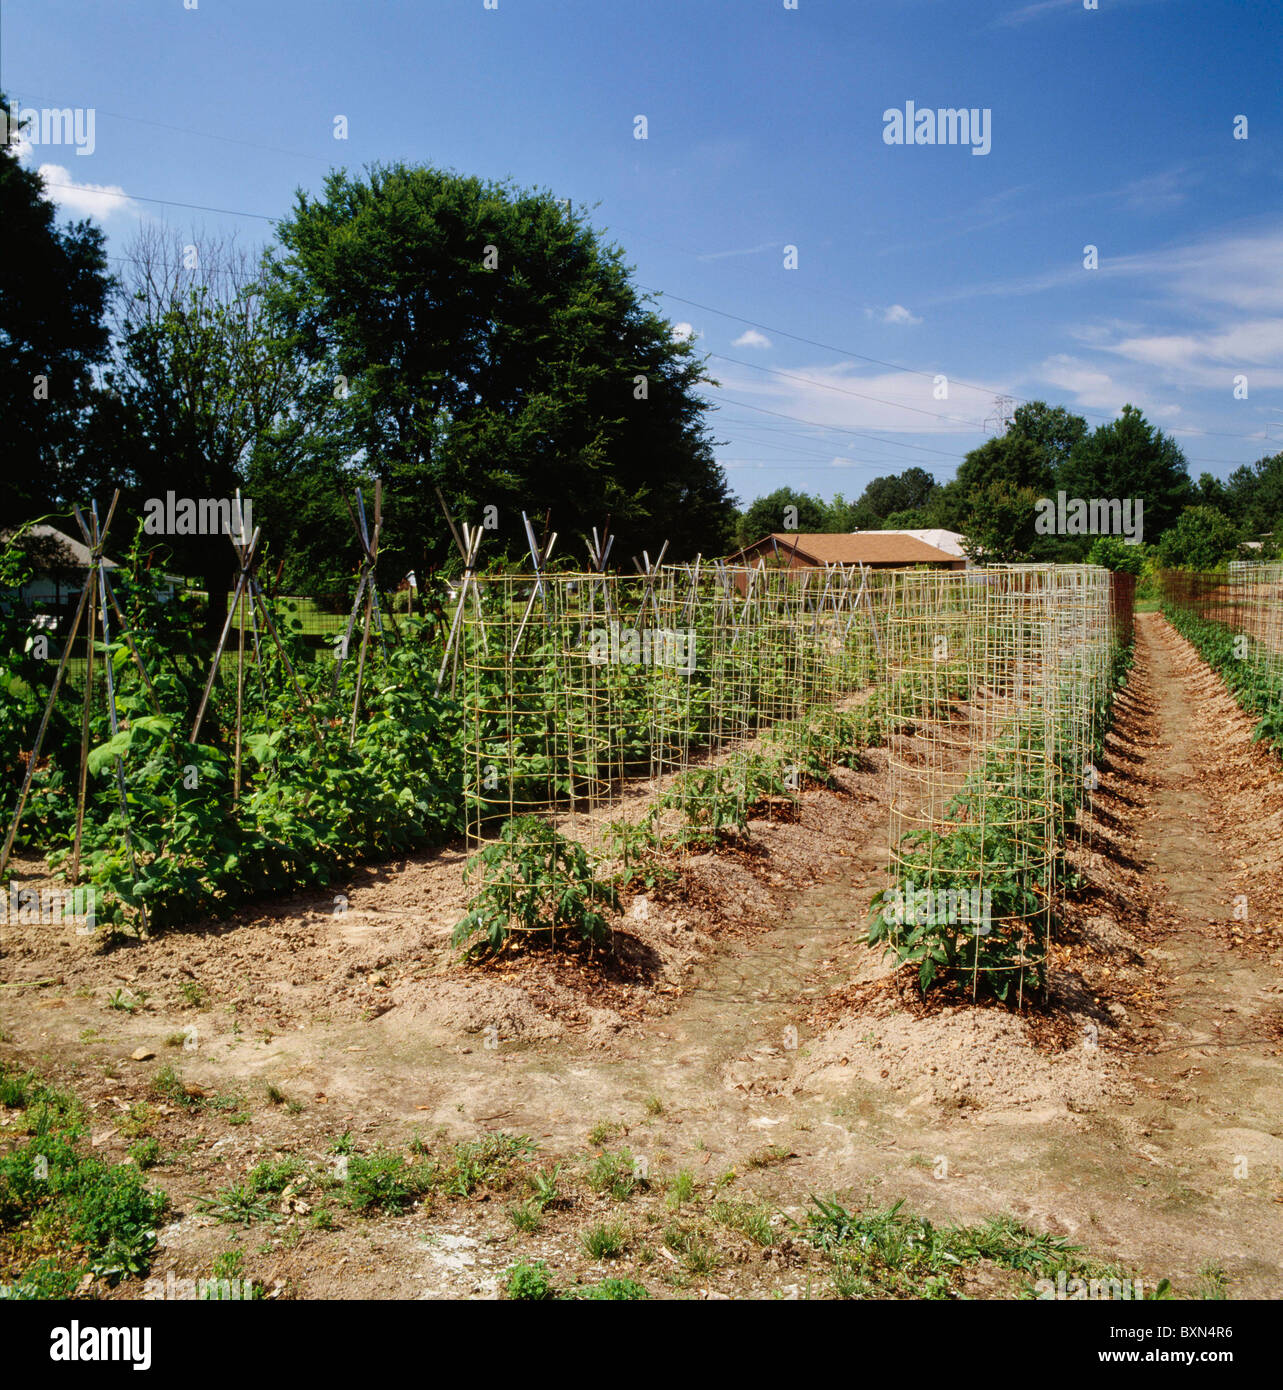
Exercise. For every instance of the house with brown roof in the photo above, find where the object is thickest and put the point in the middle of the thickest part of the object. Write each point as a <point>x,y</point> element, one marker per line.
<point>873,549</point>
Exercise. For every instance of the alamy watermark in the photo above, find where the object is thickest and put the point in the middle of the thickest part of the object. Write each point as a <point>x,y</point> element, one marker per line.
<point>51,125</point>
<point>49,906</point>
<point>199,516</point>
<point>1074,1288</point>
<point>940,907</point>
<point>617,645</point>
<point>944,125</point>
<point>213,1290</point>
<point>1096,516</point>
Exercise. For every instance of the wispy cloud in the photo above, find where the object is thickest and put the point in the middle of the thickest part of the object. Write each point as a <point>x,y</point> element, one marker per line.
<point>1049,9</point>
<point>751,338</point>
<point>1027,14</point>
<point>742,251</point>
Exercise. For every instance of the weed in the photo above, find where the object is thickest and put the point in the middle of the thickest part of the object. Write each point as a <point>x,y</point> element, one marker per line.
<point>240,1204</point>
<point>528,1281</point>
<point>526,1217</point>
<point>65,1213</point>
<point>748,1218</point>
<point>605,1241</point>
<point>688,1243</point>
<point>613,1289</point>
<point>228,1264</point>
<point>193,994</point>
<point>544,1184</point>
<point>145,1152</point>
<point>128,1001</point>
<point>615,1174</point>
<point>681,1189</point>
<point>167,1085</point>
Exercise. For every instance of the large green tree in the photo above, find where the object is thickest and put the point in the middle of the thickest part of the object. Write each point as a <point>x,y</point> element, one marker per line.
<point>1129,458</point>
<point>1201,539</point>
<point>993,499</point>
<point>53,299</point>
<point>1055,430</point>
<point>487,341</point>
<point>785,509</point>
<point>1252,495</point>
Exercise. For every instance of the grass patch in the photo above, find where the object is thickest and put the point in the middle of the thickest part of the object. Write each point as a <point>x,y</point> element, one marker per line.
<point>750,1219</point>
<point>894,1254</point>
<point>615,1175</point>
<point>64,1213</point>
<point>616,1290</point>
<point>605,1241</point>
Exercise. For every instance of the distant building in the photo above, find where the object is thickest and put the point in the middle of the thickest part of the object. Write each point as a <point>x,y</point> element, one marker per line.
<point>873,549</point>
<point>948,541</point>
<point>60,563</point>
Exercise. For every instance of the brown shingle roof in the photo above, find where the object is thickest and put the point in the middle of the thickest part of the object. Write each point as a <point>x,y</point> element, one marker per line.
<point>868,547</point>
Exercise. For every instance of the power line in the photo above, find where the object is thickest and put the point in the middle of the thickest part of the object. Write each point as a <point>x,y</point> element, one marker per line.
<point>163,202</point>
<point>860,395</point>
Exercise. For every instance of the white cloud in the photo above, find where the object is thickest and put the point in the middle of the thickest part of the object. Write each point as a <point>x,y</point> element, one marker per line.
<point>752,338</point>
<point>95,200</point>
<point>1093,388</point>
<point>842,396</point>
<point>683,332</point>
<point>897,313</point>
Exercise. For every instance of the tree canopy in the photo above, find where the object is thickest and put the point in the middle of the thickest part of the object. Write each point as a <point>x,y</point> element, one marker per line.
<point>487,341</point>
<point>54,291</point>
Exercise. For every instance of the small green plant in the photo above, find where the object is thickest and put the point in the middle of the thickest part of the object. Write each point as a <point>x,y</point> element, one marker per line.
<point>127,1001</point>
<point>654,1106</point>
<point>615,1174</point>
<point>612,1289</point>
<point>145,1152</point>
<point>168,1085</point>
<point>193,994</point>
<point>526,1217</point>
<point>534,881</point>
<point>528,1282</point>
<point>604,1241</point>
<point>544,1184</point>
<point>96,1218</point>
<point>381,1181</point>
<point>1213,1283</point>
<point>275,1177</point>
<point>749,1218</point>
<point>604,1131</point>
<point>681,1189</point>
<point>241,1204</point>
<point>228,1264</point>
<point>696,1253</point>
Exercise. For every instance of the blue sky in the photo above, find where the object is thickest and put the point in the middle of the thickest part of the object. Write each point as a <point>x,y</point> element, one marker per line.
<point>1111,127</point>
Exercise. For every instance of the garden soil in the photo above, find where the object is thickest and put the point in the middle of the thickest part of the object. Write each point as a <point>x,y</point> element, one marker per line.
<point>744,1029</point>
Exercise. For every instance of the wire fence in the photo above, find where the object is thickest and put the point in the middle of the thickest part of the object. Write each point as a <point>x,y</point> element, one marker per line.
<point>661,711</point>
